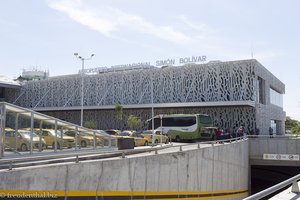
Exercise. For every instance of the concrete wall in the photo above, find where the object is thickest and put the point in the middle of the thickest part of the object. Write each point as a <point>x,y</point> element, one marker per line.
<point>275,145</point>
<point>221,169</point>
<point>267,111</point>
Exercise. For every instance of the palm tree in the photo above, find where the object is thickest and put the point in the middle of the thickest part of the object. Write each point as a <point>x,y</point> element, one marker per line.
<point>119,112</point>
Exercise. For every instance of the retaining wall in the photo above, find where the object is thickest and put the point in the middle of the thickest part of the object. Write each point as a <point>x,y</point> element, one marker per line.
<point>218,172</point>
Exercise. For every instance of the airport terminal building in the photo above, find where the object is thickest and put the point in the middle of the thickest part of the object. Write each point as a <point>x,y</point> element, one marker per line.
<point>233,93</point>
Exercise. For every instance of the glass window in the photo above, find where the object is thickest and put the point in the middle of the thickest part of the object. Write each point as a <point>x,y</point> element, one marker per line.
<point>168,121</point>
<point>2,91</point>
<point>173,122</point>
<point>125,134</point>
<point>203,119</point>
<point>261,90</point>
<point>276,98</point>
<point>9,134</point>
<point>59,133</point>
<point>184,121</point>
<point>273,126</point>
<point>27,134</point>
<point>147,132</point>
<point>45,133</point>
<point>156,123</point>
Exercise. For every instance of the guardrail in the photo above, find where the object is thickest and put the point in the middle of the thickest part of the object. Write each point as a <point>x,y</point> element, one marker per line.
<point>212,142</point>
<point>11,163</point>
<point>295,188</point>
<point>274,136</point>
<point>69,157</point>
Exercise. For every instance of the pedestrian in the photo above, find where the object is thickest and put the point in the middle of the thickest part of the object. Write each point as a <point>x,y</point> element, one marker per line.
<point>271,132</point>
<point>256,131</point>
<point>240,131</point>
<point>229,132</point>
<point>219,133</point>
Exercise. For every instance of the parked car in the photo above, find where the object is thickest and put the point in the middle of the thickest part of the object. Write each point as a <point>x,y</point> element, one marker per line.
<point>112,132</point>
<point>62,140</point>
<point>100,137</point>
<point>157,136</point>
<point>139,139</point>
<point>22,140</point>
<point>84,139</point>
<point>103,136</point>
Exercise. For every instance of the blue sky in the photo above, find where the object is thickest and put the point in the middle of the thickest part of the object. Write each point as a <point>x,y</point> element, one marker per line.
<point>46,34</point>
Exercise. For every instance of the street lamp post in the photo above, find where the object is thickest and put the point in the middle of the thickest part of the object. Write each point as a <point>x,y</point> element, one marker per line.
<point>152,108</point>
<point>82,73</point>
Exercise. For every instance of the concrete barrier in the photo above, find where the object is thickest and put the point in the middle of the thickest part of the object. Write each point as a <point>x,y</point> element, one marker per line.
<point>276,145</point>
<point>220,171</point>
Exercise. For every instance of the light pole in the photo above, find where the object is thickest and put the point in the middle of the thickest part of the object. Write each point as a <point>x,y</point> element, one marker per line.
<point>152,108</point>
<point>82,72</point>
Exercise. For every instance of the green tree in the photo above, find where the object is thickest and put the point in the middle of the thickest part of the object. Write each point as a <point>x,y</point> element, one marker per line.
<point>119,112</point>
<point>296,130</point>
<point>291,123</point>
<point>90,124</point>
<point>133,122</point>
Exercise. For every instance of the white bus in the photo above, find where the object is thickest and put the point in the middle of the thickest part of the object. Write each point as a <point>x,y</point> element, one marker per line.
<point>185,126</point>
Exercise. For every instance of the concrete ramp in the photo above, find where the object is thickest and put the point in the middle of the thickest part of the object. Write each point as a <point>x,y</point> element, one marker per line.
<point>217,172</point>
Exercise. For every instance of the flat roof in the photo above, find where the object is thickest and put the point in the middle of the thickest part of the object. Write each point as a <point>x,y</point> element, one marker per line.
<point>8,83</point>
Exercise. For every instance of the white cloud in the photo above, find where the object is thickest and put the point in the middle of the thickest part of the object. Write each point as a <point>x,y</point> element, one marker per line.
<point>193,25</point>
<point>107,20</point>
<point>75,10</point>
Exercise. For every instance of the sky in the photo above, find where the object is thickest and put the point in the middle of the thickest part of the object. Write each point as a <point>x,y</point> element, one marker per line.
<point>45,34</point>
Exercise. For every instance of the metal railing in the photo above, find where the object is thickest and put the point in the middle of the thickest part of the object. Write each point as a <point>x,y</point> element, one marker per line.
<point>11,163</point>
<point>289,136</point>
<point>50,158</point>
<point>295,188</point>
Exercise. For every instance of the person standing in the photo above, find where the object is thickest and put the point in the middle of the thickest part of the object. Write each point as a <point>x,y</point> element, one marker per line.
<point>271,132</point>
<point>256,131</point>
<point>240,131</point>
<point>219,133</point>
<point>229,132</point>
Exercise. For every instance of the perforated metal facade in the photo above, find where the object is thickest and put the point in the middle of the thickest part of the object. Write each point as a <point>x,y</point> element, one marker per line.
<point>222,90</point>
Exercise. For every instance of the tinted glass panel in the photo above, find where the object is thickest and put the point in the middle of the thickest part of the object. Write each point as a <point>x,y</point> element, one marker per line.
<point>203,119</point>
<point>124,134</point>
<point>276,98</point>
<point>2,92</point>
<point>173,122</point>
<point>184,121</point>
<point>9,134</point>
